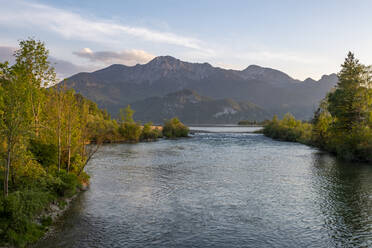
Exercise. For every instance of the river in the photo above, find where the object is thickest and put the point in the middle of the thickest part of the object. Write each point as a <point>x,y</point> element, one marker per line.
<point>220,188</point>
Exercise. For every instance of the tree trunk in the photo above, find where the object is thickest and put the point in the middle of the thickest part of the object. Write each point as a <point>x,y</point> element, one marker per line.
<point>36,126</point>
<point>69,145</point>
<point>6,180</point>
<point>69,159</point>
<point>59,131</point>
<point>89,156</point>
<point>59,150</point>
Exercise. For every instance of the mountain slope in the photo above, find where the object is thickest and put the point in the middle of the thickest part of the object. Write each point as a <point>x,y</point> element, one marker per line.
<point>118,85</point>
<point>192,108</point>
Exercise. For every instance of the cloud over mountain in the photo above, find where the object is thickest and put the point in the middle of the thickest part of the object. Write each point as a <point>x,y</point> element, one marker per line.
<point>63,68</point>
<point>127,57</point>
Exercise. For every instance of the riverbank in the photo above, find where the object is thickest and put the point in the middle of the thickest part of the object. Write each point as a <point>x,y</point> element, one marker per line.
<point>349,147</point>
<point>27,213</point>
<point>56,210</point>
<point>46,220</point>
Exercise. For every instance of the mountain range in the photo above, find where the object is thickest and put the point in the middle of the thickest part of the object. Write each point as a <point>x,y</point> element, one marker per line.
<point>254,93</point>
<point>192,108</point>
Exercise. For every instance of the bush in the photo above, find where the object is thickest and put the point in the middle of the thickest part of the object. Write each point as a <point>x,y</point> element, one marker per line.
<point>45,154</point>
<point>67,184</point>
<point>130,131</point>
<point>248,123</point>
<point>173,128</point>
<point>289,129</point>
<point>16,214</point>
<point>149,133</point>
<point>46,221</point>
<point>83,177</point>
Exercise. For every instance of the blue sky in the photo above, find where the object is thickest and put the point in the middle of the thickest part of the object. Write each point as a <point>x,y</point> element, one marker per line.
<point>301,38</point>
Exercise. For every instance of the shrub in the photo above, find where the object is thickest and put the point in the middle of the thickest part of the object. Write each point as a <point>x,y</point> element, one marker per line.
<point>149,133</point>
<point>289,129</point>
<point>45,154</point>
<point>174,128</point>
<point>16,214</point>
<point>84,177</point>
<point>46,221</point>
<point>67,184</point>
<point>130,131</point>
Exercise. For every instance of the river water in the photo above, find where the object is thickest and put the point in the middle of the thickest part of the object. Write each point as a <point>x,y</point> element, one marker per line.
<point>222,188</point>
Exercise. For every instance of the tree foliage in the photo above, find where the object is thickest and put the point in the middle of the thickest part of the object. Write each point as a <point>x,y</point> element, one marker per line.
<point>343,122</point>
<point>47,136</point>
<point>288,129</point>
<point>43,137</point>
<point>174,128</point>
<point>129,129</point>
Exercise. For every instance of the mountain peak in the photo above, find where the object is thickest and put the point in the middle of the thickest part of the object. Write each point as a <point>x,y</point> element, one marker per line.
<point>330,76</point>
<point>309,80</point>
<point>253,67</point>
<point>272,76</point>
<point>164,59</point>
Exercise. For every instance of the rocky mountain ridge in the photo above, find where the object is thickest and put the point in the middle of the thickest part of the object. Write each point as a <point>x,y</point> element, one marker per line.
<point>272,90</point>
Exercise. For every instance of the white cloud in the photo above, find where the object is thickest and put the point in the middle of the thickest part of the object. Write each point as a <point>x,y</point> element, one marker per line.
<point>32,18</point>
<point>63,68</point>
<point>127,57</point>
<point>71,25</point>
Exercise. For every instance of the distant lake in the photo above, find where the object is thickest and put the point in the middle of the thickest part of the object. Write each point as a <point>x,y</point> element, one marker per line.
<point>221,188</point>
<point>226,129</point>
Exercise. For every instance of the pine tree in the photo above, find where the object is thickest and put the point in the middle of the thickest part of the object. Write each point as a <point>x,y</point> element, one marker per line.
<point>348,103</point>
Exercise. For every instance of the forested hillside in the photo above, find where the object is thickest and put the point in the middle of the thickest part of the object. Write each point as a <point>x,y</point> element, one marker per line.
<point>192,108</point>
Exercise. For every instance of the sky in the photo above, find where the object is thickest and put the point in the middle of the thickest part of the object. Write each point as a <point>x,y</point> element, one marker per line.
<point>299,37</point>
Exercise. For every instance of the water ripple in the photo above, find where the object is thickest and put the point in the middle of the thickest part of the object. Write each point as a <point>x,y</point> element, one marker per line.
<point>219,190</point>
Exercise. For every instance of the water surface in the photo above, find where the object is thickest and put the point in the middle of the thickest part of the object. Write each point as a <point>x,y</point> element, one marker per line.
<point>219,190</point>
<point>225,129</point>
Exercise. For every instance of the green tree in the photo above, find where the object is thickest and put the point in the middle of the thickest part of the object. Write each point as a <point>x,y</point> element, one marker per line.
<point>149,132</point>
<point>32,57</point>
<point>174,128</point>
<point>15,112</point>
<point>348,104</point>
<point>126,115</point>
<point>129,129</point>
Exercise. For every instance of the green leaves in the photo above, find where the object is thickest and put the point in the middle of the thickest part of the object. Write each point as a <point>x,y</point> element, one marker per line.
<point>343,122</point>
<point>33,58</point>
<point>289,129</point>
<point>174,128</point>
<point>129,129</point>
<point>39,128</point>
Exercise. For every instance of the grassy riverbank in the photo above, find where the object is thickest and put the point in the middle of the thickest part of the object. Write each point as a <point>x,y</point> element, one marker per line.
<point>27,213</point>
<point>289,129</point>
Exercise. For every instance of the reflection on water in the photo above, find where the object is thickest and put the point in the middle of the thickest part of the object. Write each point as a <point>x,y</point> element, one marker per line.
<point>346,200</point>
<point>219,190</point>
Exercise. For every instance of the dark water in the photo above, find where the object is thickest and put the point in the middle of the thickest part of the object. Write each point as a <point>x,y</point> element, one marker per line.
<point>219,190</point>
